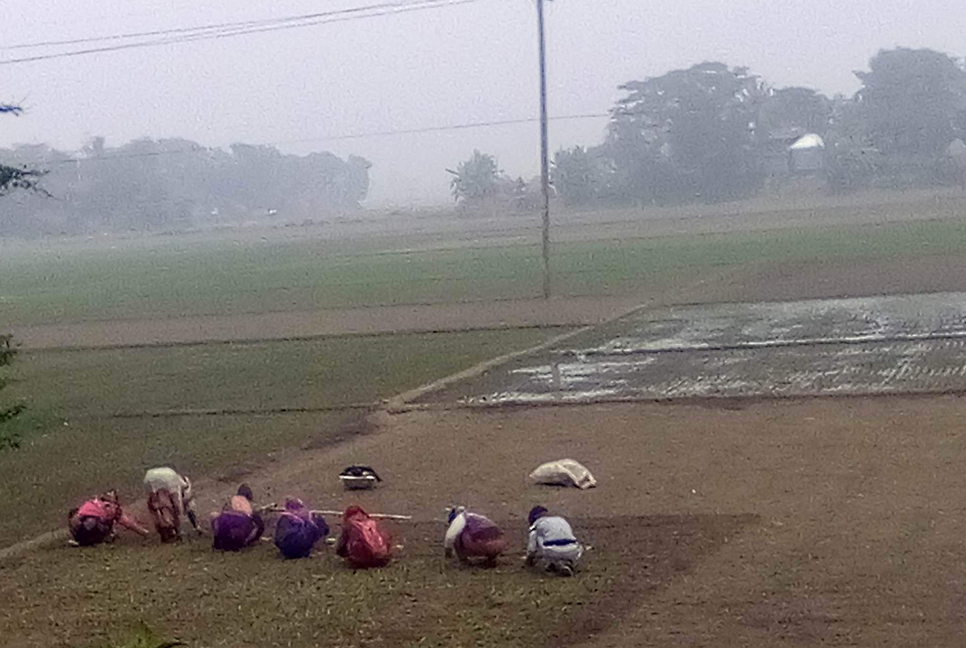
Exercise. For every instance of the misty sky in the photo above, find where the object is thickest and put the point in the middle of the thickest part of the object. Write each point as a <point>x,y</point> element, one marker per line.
<point>451,65</point>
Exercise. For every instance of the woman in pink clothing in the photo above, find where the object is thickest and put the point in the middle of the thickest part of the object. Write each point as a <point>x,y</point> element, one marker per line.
<point>94,521</point>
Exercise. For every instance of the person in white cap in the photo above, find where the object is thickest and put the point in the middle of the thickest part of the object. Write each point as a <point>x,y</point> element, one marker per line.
<point>169,496</point>
<point>552,543</point>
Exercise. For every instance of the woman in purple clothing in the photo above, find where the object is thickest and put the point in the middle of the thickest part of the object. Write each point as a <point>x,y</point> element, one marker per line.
<point>472,536</point>
<point>298,529</point>
<point>238,525</point>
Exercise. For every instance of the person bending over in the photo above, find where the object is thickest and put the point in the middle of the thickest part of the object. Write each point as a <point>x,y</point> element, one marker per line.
<point>472,536</point>
<point>169,497</point>
<point>93,522</point>
<point>363,542</point>
<point>238,524</point>
<point>552,543</point>
<point>298,529</point>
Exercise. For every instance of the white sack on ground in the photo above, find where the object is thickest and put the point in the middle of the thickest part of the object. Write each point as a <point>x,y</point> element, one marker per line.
<point>565,472</point>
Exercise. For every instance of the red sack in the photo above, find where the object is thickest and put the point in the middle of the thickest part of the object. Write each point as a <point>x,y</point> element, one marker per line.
<point>363,543</point>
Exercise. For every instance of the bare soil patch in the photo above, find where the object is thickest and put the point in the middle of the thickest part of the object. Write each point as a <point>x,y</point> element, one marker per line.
<point>857,502</point>
<point>908,274</point>
<point>561,312</point>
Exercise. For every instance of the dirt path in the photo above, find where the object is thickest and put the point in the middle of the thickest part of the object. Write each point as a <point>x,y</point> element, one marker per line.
<point>900,275</point>
<point>575,311</point>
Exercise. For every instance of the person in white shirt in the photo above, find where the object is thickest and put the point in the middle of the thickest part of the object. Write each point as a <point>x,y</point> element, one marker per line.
<point>169,496</point>
<point>552,543</point>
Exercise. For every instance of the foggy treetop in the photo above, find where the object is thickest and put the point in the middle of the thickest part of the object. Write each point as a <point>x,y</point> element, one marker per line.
<point>175,184</point>
<point>710,132</point>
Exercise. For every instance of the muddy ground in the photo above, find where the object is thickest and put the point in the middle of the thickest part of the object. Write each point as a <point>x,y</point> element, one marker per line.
<point>902,344</point>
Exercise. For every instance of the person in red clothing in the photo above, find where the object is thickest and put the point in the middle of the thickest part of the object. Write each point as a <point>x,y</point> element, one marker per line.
<point>363,543</point>
<point>93,522</point>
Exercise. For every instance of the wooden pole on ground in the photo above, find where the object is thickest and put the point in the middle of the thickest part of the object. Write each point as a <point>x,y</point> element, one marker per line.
<point>377,516</point>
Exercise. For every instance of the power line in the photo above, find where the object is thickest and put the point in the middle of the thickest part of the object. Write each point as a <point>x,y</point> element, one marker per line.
<point>205,28</point>
<point>215,32</point>
<point>454,127</point>
<point>297,22</point>
<point>113,37</point>
<point>333,138</point>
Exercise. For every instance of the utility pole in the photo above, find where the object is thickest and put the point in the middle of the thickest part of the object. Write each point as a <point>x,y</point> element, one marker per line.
<point>544,153</point>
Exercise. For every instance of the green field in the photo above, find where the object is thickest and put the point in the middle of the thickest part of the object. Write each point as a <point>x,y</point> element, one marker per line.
<point>74,445</point>
<point>168,277</point>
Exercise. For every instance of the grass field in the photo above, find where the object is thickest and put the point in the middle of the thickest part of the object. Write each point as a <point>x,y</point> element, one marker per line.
<point>73,444</point>
<point>171,277</point>
<point>256,599</point>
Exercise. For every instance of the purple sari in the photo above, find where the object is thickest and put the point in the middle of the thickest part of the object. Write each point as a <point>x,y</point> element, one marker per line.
<point>481,538</point>
<point>234,530</point>
<point>297,531</point>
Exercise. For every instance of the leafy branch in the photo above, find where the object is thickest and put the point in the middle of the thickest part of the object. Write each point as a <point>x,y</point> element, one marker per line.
<point>11,440</point>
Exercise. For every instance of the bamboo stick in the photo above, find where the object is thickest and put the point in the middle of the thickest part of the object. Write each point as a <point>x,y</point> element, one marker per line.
<point>378,516</point>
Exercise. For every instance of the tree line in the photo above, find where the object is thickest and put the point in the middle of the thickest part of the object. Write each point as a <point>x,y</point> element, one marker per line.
<point>170,184</point>
<point>714,133</point>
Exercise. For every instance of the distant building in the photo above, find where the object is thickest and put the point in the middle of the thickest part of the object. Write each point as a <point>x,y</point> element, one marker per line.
<point>807,155</point>
<point>775,156</point>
